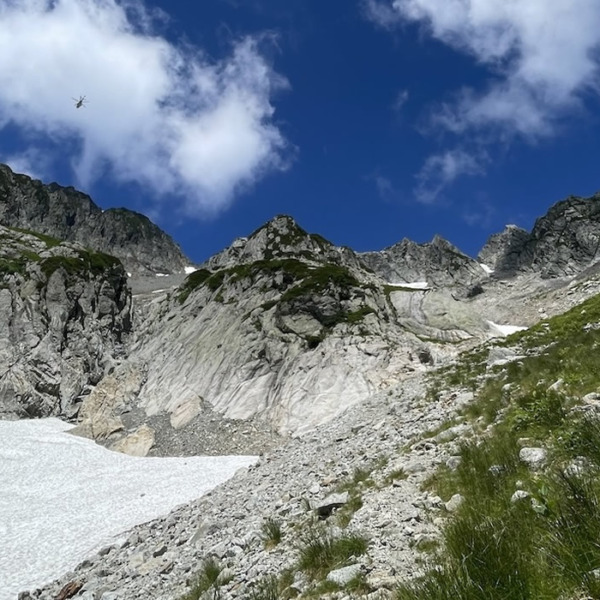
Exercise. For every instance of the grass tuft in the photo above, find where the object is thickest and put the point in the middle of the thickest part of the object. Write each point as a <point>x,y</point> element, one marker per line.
<point>207,582</point>
<point>321,552</point>
<point>271,533</point>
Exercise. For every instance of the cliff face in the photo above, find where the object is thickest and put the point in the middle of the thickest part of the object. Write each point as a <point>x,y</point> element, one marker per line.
<point>562,243</point>
<point>67,214</point>
<point>566,240</point>
<point>64,316</point>
<point>283,328</point>
<point>502,252</point>
<point>438,263</point>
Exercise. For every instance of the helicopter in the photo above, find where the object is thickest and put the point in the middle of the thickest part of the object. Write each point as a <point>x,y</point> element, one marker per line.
<point>79,102</point>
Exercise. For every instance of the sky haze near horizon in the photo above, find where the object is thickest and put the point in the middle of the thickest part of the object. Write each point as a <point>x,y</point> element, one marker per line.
<point>366,120</point>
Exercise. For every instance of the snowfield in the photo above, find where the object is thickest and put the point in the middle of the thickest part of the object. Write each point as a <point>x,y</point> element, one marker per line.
<point>63,498</point>
<point>416,285</point>
<point>506,329</point>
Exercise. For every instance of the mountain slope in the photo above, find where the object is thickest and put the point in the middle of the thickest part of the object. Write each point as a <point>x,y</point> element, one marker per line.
<point>289,330</point>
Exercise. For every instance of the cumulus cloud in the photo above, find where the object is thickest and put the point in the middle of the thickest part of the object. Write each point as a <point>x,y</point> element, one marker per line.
<point>166,117</point>
<point>442,169</point>
<point>542,57</point>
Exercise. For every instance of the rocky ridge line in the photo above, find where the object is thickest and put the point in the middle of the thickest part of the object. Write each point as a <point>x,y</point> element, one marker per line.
<point>70,215</point>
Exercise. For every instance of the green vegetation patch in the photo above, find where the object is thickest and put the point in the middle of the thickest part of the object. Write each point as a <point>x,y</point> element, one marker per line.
<point>50,241</point>
<point>523,534</point>
<point>10,266</point>
<point>291,268</point>
<point>271,533</point>
<point>321,552</point>
<point>87,262</point>
<point>320,279</point>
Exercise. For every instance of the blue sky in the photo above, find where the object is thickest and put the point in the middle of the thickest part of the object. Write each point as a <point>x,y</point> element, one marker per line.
<point>366,120</point>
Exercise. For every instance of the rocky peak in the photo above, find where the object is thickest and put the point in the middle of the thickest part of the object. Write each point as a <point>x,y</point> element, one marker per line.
<point>439,263</point>
<point>67,214</point>
<point>566,240</point>
<point>281,238</point>
<point>502,251</point>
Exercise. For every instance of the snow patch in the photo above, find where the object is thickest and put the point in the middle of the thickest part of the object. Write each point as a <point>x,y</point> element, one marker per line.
<point>162,275</point>
<point>417,285</point>
<point>63,497</point>
<point>487,269</point>
<point>506,329</point>
<point>189,270</point>
<point>128,274</point>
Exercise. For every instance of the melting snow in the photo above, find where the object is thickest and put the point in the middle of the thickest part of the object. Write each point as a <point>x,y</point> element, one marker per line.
<point>189,270</point>
<point>506,329</point>
<point>62,497</point>
<point>417,285</point>
<point>487,269</point>
<point>162,275</point>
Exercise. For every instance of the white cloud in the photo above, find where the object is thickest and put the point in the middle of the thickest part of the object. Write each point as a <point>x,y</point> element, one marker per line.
<point>542,57</point>
<point>165,117</point>
<point>31,161</point>
<point>442,169</point>
<point>380,13</point>
<point>401,100</point>
<point>542,54</point>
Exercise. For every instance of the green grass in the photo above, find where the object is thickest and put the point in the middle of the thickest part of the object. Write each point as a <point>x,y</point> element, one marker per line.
<point>86,263</point>
<point>320,279</point>
<point>546,546</point>
<point>207,581</point>
<point>321,552</point>
<point>271,533</point>
<point>354,485</point>
<point>395,475</point>
<point>47,239</point>
<point>11,266</point>
<point>291,270</point>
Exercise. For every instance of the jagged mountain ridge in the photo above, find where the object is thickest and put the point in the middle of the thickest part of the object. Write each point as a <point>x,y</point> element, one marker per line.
<point>439,263</point>
<point>562,243</point>
<point>260,329</point>
<point>70,215</point>
<point>287,328</point>
<point>282,324</point>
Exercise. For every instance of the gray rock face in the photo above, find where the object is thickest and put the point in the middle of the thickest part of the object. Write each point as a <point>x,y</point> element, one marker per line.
<point>64,316</point>
<point>502,252</point>
<point>67,214</point>
<point>286,328</point>
<point>281,238</point>
<point>566,240</point>
<point>438,262</point>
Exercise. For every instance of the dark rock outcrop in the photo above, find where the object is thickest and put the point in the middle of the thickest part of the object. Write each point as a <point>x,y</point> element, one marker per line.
<point>502,252</point>
<point>64,317</point>
<point>67,214</point>
<point>438,262</point>
<point>566,240</point>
